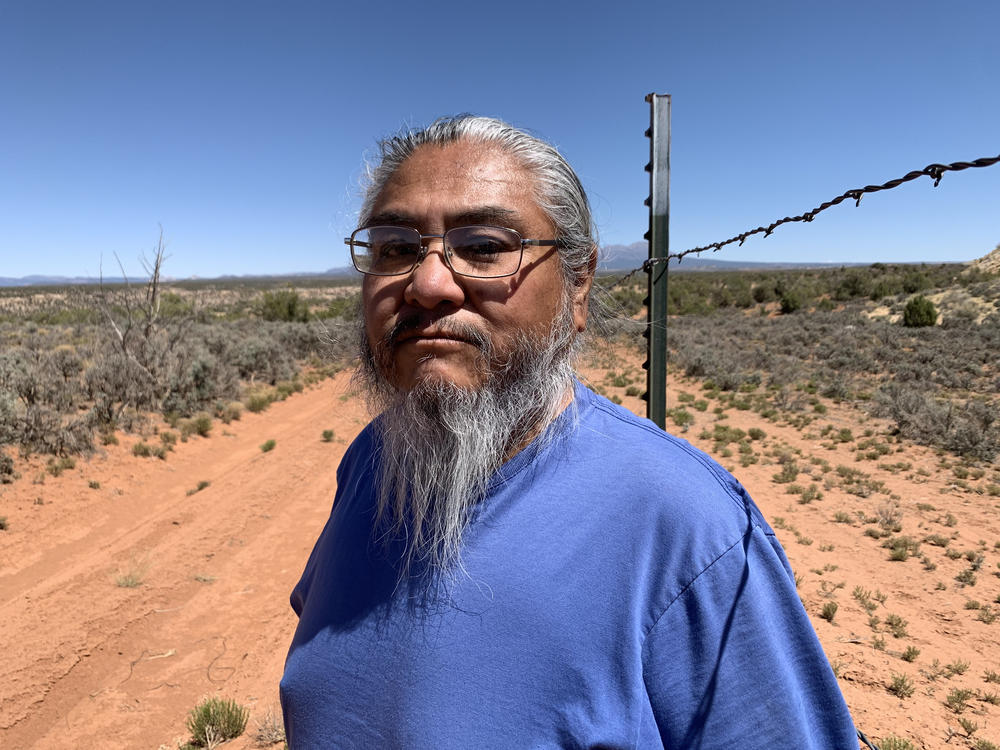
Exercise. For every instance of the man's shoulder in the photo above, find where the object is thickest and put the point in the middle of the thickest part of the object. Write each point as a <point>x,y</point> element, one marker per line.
<point>637,445</point>
<point>644,467</point>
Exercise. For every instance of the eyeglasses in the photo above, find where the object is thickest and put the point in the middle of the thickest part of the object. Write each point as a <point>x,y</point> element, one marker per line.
<point>478,252</point>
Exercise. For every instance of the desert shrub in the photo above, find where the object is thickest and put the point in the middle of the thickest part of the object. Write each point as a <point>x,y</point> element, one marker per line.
<point>44,430</point>
<point>892,742</point>
<point>854,284</point>
<point>173,305</point>
<point>791,301</point>
<point>680,416</point>
<point>267,446</point>
<point>116,384</point>
<point>8,417</point>
<point>57,467</point>
<point>970,429</point>
<point>216,720</point>
<point>626,301</point>
<point>261,358</point>
<point>915,281</point>
<point>196,381</point>
<point>200,486</point>
<point>901,686</point>
<point>327,436</point>
<point>789,472</point>
<point>231,412</point>
<point>258,400</point>
<point>919,312</point>
<point>7,467</point>
<point>762,292</point>
<point>286,388</point>
<point>958,699</point>
<point>349,307</point>
<point>202,424</point>
<point>283,305</point>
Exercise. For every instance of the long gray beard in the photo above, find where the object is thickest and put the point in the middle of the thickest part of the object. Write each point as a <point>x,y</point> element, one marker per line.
<point>442,444</point>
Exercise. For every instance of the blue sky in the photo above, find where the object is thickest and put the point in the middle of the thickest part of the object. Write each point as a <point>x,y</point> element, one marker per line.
<point>241,126</point>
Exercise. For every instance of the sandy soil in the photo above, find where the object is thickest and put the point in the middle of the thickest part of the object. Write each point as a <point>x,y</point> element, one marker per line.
<point>92,663</point>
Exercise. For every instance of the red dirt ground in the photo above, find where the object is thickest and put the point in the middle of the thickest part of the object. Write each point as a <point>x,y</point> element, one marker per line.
<point>90,663</point>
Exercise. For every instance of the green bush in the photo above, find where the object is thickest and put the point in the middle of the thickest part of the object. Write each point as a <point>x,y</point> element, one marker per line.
<point>896,743</point>
<point>259,401</point>
<point>284,305</point>
<point>345,308</point>
<point>216,720</point>
<point>901,686</point>
<point>202,424</point>
<point>791,300</point>
<point>267,446</point>
<point>919,312</point>
<point>231,412</point>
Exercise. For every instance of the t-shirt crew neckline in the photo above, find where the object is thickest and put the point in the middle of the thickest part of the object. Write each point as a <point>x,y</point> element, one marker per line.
<point>573,413</point>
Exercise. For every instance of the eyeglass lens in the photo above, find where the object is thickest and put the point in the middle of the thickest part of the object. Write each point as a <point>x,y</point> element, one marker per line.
<point>471,251</point>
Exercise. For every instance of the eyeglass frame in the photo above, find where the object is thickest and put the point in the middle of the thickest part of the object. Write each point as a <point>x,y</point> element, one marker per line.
<point>445,250</point>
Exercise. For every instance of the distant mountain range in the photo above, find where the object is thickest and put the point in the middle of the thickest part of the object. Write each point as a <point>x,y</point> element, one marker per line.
<point>626,257</point>
<point>613,258</point>
<point>37,280</point>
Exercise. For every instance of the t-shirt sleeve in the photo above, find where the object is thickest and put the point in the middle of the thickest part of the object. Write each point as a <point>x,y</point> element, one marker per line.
<point>733,661</point>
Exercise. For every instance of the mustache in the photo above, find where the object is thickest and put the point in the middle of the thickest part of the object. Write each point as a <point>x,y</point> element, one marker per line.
<point>420,321</point>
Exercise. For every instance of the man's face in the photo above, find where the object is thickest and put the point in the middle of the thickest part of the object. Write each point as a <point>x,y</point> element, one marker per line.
<point>436,189</point>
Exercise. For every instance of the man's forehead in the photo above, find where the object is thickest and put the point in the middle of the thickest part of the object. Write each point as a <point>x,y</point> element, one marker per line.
<point>458,183</point>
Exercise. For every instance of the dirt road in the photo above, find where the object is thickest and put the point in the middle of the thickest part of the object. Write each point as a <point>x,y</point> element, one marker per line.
<point>90,663</point>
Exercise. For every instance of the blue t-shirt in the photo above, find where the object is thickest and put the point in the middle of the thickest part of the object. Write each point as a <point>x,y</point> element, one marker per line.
<point>621,590</point>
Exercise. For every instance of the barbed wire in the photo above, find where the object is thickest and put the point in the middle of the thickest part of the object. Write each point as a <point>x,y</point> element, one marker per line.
<point>934,171</point>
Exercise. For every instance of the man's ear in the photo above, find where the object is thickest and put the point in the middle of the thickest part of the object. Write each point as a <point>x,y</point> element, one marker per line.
<point>581,294</point>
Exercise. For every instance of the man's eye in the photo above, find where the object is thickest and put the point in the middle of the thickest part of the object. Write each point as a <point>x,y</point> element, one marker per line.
<point>397,250</point>
<point>480,249</point>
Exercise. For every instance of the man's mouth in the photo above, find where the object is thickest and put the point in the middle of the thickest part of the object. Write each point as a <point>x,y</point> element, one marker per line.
<point>416,330</point>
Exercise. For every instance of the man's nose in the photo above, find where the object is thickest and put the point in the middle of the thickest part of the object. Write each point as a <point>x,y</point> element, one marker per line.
<point>433,282</point>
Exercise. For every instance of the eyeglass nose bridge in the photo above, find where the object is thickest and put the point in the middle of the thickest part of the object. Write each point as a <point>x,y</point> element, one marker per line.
<point>425,250</point>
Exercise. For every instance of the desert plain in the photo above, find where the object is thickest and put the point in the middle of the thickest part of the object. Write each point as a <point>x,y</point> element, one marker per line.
<point>133,587</point>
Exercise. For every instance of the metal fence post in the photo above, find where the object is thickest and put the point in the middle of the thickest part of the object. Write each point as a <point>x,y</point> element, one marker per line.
<point>659,246</point>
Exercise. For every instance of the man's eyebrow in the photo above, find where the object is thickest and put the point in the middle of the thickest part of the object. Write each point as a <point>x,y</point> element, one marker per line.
<point>392,218</point>
<point>488,215</point>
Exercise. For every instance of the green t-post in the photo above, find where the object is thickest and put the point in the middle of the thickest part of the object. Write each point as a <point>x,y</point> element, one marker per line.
<point>659,246</point>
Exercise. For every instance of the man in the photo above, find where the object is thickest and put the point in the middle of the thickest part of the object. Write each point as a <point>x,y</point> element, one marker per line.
<point>511,560</point>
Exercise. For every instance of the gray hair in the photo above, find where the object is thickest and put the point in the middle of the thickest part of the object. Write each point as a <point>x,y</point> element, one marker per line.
<point>557,188</point>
